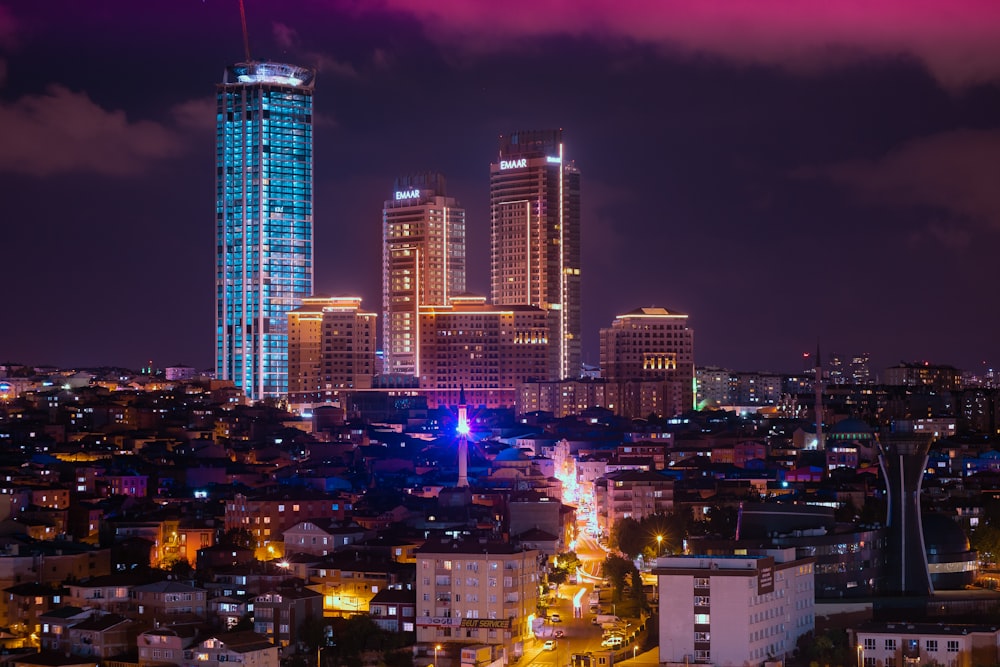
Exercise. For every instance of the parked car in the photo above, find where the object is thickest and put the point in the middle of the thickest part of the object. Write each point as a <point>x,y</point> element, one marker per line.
<point>555,618</point>
<point>614,641</point>
<point>550,645</point>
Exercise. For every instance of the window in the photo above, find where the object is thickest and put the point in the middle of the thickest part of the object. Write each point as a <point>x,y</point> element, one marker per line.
<point>931,645</point>
<point>701,619</point>
<point>869,643</point>
<point>890,644</point>
<point>952,646</point>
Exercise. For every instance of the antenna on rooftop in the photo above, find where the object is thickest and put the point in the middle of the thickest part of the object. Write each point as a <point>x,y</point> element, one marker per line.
<point>246,38</point>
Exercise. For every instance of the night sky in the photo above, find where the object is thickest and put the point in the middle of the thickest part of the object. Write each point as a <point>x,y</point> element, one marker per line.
<point>784,172</point>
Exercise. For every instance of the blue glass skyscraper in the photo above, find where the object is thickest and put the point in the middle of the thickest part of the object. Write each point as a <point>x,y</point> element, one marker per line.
<point>263,219</point>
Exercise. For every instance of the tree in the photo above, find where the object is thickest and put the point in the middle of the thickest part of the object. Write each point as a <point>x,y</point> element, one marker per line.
<point>238,537</point>
<point>312,632</point>
<point>557,577</point>
<point>626,536</point>
<point>180,568</point>
<point>986,540</point>
<point>568,561</point>
<point>616,569</point>
<point>638,594</point>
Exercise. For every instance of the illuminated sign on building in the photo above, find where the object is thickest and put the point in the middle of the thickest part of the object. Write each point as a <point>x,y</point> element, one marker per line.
<point>439,621</point>
<point>407,194</point>
<point>765,576</point>
<point>500,623</point>
<point>514,164</point>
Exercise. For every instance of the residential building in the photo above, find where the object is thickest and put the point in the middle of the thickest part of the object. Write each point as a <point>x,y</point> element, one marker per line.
<point>535,238</point>
<point>278,614</point>
<point>394,609</point>
<point>423,262</point>
<point>913,374</point>
<point>322,536</point>
<point>165,645</point>
<point>263,220</point>
<point>631,494</point>
<point>103,636</point>
<point>651,344</point>
<point>475,591</point>
<point>247,648</point>
<point>733,610</point>
<point>951,644</point>
<point>165,599</point>
<point>487,350</point>
<point>331,349</point>
<point>268,516</point>
<point>349,580</point>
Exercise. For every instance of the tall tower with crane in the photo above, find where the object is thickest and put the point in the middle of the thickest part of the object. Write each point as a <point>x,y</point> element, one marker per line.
<point>263,217</point>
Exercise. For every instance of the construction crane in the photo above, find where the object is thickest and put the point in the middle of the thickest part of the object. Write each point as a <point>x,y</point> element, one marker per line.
<point>246,38</point>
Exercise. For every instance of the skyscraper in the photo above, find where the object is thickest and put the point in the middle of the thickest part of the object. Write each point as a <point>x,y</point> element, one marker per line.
<point>423,262</point>
<point>263,219</point>
<point>535,237</point>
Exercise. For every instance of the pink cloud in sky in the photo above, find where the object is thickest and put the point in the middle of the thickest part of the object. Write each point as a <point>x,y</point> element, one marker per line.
<point>954,172</point>
<point>288,39</point>
<point>8,28</point>
<point>958,40</point>
<point>63,131</point>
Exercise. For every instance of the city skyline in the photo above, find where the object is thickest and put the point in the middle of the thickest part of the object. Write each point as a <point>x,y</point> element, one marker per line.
<point>779,177</point>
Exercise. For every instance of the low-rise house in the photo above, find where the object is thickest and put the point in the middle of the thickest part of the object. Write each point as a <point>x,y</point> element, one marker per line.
<point>278,614</point>
<point>247,648</point>
<point>228,610</point>
<point>322,536</point>
<point>25,603</point>
<point>56,623</point>
<point>164,599</point>
<point>394,609</point>
<point>165,645</point>
<point>103,636</point>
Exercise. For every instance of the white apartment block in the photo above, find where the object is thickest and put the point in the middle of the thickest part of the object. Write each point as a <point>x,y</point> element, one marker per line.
<point>733,610</point>
<point>901,644</point>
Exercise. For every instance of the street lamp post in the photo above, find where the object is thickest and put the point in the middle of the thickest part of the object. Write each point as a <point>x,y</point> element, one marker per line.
<point>437,647</point>
<point>861,656</point>
<point>659,544</point>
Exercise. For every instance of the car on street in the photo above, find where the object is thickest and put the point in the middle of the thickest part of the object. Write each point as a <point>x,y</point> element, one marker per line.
<point>549,645</point>
<point>613,641</point>
<point>558,634</point>
<point>555,618</point>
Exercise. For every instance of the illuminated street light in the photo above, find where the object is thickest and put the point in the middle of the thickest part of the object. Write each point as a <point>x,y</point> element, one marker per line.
<point>659,543</point>
<point>861,656</point>
<point>437,647</point>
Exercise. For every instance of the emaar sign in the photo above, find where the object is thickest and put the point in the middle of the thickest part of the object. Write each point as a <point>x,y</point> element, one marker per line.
<point>514,164</point>
<point>407,194</point>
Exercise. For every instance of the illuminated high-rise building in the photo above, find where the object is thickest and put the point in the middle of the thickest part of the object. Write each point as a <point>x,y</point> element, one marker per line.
<point>331,349</point>
<point>535,237</point>
<point>651,344</point>
<point>423,262</point>
<point>263,220</point>
<point>480,351</point>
